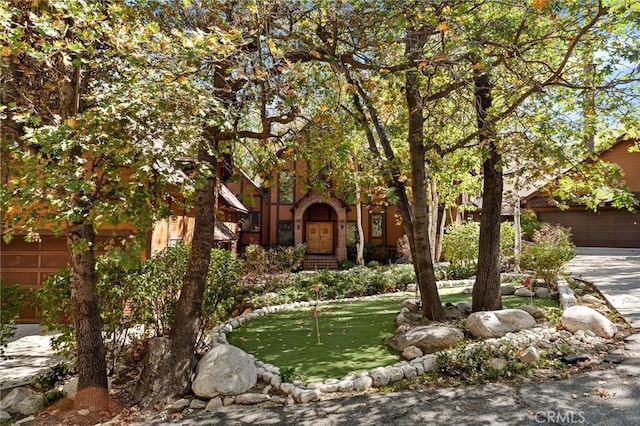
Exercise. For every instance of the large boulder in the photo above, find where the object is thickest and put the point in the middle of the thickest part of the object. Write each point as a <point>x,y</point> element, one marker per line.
<point>23,401</point>
<point>224,370</point>
<point>585,318</point>
<point>498,323</point>
<point>429,338</point>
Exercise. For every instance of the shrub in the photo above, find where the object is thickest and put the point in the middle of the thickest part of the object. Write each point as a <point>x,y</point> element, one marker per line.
<point>529,224</point>
<point>259,261</point>
<point>131,292</point>
<point>461,243</point>
<point>550,250</point>
<point>369,252</point>
<point>11,298</point>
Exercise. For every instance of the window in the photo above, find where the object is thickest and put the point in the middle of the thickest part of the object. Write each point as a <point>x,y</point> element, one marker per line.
<point>251,223</point>
<point>286,184</point>
<point>376,225</point>
<point>285,233</point>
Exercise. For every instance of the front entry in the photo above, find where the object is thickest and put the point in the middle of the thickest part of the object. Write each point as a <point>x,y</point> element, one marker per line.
<point>320,237</point>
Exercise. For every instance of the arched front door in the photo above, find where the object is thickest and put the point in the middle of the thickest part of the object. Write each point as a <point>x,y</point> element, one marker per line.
<point>321,236</point>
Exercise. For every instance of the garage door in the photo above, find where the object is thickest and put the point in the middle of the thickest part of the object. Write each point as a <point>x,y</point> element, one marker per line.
<point>607,228</point>
<point>28,264</point>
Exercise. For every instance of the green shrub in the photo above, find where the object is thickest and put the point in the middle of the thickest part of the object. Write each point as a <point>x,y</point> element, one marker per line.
<point>529,224</point>
<point>259,261</point>
<point>460,243</point>
<point>368,254</point>
<point>11,298</point>
<point>131,292</point>
<point>550,250</point>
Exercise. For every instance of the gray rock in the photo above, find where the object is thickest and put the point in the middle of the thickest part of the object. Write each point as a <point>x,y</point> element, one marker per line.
<point>346,386</point>
<point>530,355</point>
<point>395,374</point>
<point>251,398</point>
<point>535,311</point>
<point>498,323</point>
<point>179,405</point>
<point>409,371</point>
<point>287,388</point>
<point>329,388</point>
<point>524,292</point>
<point>507,290</point>
<point>412,287</point>
<point>228,400</point>
<point>225,370</point>
<point>197,404</point>
<point>4,416</point>
<point>380,376</point>
<point>309,395</point>
<point>214,404</point>
<point>411,352</point>
<point>584,318</point>
<point>464,307</point>
<point>591,300</point>
<point>22,401</point>
<point>410,304</point>
<point>429,362</point>
<point>363,382</point>
<point>497,363</point>
<point>429,339</point>
<point>467,290</point>
<point>542,292</point>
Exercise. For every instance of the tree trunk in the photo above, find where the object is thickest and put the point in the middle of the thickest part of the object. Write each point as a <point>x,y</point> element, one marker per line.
<point>433,218</point>
<point>169,362</point>
<point>360,244</point>
<point>92,368</point>
<point>486,290</point>
<point>443,222</point>
<point>421,249</point>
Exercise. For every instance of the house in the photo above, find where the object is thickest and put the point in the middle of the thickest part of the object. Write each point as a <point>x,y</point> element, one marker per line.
<point>607,227</point>
<point>290,211</point>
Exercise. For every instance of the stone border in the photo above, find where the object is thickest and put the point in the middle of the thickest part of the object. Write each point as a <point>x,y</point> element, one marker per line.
<point>376,377</point>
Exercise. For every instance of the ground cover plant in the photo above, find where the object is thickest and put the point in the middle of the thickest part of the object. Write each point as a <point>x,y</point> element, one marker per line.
<point>351,335</point>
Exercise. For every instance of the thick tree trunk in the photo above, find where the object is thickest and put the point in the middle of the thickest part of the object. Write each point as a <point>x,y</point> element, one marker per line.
<point>486,290</point>
<point>421,248</point>
<point>90,351</point>
<point>169,361</point>
<point>360,245</point>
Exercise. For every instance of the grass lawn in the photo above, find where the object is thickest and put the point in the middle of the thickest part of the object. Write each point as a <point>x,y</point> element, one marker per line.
<point>351,335</point>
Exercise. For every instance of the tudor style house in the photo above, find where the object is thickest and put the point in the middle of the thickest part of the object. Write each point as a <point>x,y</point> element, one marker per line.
<point>290,212</point>
<point>608,226</point>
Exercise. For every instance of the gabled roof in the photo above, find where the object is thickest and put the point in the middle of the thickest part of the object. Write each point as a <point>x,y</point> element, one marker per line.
<point>231,200</point>
<point>223,233</point>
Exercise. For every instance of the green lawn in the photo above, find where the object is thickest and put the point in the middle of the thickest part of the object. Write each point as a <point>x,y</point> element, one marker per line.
<point>351,335</point>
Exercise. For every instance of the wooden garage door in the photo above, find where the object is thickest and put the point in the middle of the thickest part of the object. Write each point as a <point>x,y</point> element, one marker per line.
<point>28,264</point>
<point>607,228</point>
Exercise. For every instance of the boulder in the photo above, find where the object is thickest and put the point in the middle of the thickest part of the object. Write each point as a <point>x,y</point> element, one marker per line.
<point>542,292</point>
<point>498,323</point>
<point>534,311</point>
<point>224,370</point>
<point>524,292</point>
<point>507,290</point>
<point>584,318</point>
<point>429,338</point>
<point>22,401</point>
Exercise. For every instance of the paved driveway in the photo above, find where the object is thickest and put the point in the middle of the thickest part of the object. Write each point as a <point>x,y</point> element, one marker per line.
<point>616,273</point>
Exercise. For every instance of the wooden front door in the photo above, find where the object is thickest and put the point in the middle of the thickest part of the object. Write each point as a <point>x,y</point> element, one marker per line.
<point>320,237</point>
